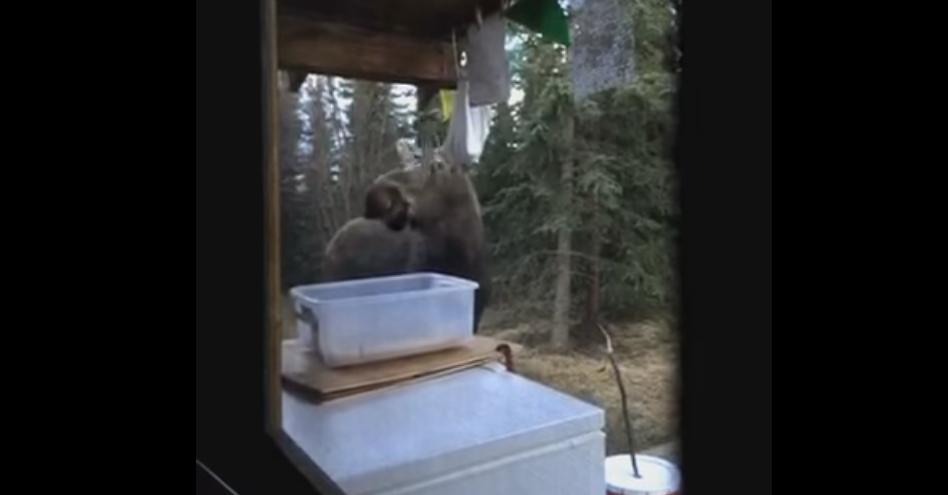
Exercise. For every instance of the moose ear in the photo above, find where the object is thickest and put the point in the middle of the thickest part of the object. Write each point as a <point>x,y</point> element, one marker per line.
<point>387,202</point>
<point>376,203</point>
<point>397,218</point>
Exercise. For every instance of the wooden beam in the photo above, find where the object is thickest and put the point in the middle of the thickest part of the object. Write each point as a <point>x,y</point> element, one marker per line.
<point>430,19</point>
<point>334,49</point>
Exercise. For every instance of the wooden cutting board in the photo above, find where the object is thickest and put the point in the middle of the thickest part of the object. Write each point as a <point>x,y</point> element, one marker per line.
<point>303,369</point>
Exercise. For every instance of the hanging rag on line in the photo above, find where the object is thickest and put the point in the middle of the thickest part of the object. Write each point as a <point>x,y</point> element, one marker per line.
<point>447,104</point>
<point>487,69</point>
<point>468,129</point>
<point>484,80</point>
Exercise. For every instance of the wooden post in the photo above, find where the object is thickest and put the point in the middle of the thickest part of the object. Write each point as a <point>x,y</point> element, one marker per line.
<point>271,169</point>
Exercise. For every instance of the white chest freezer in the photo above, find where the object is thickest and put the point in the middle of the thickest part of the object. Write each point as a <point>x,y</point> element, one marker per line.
<point>479,431</point>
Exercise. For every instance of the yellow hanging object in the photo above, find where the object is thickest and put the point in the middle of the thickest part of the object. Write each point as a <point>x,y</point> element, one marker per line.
<point>447,104</point>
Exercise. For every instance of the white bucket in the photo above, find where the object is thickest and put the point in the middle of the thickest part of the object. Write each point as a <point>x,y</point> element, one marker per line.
<point>657,476</point>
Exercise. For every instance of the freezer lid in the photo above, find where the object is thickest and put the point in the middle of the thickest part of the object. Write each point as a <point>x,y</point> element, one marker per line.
<point>391,437</point>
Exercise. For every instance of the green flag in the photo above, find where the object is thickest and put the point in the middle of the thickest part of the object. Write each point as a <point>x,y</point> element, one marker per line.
<point>543,16</point>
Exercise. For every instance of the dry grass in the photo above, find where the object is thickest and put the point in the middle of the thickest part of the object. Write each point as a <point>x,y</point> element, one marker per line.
<point>647,353</point>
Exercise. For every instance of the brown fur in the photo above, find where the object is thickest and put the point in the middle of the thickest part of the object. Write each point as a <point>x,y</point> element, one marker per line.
<point>386,202</point>
<point>442,205</point>
<point>354,252</point>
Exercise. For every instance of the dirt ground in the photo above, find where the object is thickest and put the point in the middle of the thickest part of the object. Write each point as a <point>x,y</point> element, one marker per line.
<point>647,353</point>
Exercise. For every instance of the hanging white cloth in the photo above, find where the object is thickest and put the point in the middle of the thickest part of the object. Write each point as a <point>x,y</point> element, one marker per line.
<point>468,129</point>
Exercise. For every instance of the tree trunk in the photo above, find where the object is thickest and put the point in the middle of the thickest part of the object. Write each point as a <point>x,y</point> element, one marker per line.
<point>560,338</point>
<point>593,296</point>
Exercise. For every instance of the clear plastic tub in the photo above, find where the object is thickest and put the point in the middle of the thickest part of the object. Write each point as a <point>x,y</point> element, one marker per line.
<point>371,319</point>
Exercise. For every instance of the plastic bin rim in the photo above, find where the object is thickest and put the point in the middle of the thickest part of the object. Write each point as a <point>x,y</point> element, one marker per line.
<point>461,284</point>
